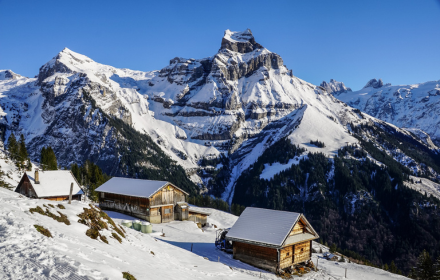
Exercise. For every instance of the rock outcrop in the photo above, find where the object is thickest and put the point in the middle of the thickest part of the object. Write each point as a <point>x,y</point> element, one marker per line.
<point>334,87</point>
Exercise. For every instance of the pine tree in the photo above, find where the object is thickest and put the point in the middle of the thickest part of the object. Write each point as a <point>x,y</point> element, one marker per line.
<point>22,151</point>
<point>436,270</point>
<point>12,146</point>
<point>385,267</point>
<point>393,268</point>
<point>424,269</point>
<point>48,159</point>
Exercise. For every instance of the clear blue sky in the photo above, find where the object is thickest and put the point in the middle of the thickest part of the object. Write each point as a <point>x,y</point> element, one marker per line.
<point>350,41</point>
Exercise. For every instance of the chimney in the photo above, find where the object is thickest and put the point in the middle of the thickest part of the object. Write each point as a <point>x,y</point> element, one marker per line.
<point>37,176</point>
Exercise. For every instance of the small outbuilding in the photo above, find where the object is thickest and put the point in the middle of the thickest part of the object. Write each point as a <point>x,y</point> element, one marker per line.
<point>270,239</point>
<point>154,201</point>
<point>51,185</point>
<point>198,216</point>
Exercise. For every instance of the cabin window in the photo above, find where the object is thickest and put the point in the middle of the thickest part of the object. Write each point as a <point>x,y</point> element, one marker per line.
<point>167,211</point>
<point>102,195</point>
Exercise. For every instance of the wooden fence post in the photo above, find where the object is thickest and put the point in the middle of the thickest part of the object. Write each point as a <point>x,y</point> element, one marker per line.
<point>345,273</point>
<point>70,195</point>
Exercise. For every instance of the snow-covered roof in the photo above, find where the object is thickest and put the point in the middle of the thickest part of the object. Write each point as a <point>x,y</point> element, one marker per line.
<point>54,183</point>
<point>266,226</point>
<point>133,187</point>
<point>191,209</point>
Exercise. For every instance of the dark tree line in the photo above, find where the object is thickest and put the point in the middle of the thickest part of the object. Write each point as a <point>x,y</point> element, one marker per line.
<point>216,203</point>
<point>48,160</point>
<point>90,176</point>
<point>318,143</point>
<point>18,152</point>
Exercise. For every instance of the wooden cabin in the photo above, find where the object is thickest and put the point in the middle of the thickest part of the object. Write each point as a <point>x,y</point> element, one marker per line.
<point>154,201</point>
<point>51,185</point>
<point>198,216</point>
<point>270,239</point>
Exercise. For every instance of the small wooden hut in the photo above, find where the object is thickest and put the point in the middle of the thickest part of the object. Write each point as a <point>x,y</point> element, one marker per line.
<point>154,201</point>
<point>271,239</point>
<point>198,216</point>
<point>51,185</point>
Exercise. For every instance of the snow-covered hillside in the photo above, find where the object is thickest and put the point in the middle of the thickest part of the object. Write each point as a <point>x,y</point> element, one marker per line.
<point>415,107</point>
<point>70,254</point>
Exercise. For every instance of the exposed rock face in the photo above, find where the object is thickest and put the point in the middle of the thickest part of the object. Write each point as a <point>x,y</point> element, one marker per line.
<point>374,83</point>
<point>242,42</point>
<point>214,87</point>
<point>334,87</point>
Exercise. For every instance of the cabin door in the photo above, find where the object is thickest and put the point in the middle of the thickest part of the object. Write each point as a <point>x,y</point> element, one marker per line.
<point>184,213</point>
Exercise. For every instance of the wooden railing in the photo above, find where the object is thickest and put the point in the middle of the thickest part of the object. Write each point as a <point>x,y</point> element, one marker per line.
<point>123,207</point>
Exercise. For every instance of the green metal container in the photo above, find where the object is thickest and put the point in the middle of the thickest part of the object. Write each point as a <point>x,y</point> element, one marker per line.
<point>146,227</point>
<point>127,223</point>
<point>137,225</point>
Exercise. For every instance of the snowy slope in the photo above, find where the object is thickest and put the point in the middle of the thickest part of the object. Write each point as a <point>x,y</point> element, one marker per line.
<point>408,106</point>
<point>70,254</point>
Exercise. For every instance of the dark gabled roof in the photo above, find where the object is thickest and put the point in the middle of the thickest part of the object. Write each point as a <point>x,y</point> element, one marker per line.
<point>267,227</point>
<point>134,187</point>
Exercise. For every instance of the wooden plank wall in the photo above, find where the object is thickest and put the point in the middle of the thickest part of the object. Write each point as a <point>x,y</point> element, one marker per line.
<point>167,196</point>
<point>258,256</point>
<point>167,217</point>
<point>62,198</point>
<point>301,252</point>
<point>286,257</point>
<point>198,218</point>
<point>298,228</point>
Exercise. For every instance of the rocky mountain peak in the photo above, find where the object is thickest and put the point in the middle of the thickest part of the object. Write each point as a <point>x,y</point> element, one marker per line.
<point>334,87</point>
<point>242,42</point>
<point>8,75</point>
<point>374,83</point>
<point>66,61</point>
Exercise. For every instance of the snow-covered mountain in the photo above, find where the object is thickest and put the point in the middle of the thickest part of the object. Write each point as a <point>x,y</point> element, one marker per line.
<point>414,107</point>
<point>239,102</point>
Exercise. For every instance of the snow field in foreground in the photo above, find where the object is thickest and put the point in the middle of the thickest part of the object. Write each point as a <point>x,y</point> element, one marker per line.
<point>70,254</point>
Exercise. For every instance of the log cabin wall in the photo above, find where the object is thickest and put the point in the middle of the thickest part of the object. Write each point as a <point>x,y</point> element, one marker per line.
<point>25,187</point>
<point>262,257</point>
<point>302,252</point>
<point>286,257</point>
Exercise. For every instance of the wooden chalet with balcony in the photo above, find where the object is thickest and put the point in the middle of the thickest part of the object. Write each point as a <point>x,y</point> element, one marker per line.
<point>154,201</point>
<point>270,239</point>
